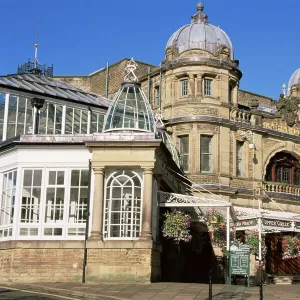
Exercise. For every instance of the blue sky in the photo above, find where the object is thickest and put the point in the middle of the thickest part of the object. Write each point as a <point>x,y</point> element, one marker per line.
<point>80,36</point>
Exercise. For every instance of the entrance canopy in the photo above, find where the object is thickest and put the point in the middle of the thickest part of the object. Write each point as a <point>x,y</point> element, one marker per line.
<point>243,218</point>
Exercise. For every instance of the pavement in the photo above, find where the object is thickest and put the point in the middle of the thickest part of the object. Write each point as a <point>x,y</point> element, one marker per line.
<point>157,291</point>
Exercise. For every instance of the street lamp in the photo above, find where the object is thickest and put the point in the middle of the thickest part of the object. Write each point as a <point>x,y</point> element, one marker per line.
<point>258,192</point>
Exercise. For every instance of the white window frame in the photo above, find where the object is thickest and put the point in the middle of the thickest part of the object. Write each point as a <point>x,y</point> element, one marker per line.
<point>207,87</point>
<point>7,227</point>
<point>136,212</point>
<point>184,87</point>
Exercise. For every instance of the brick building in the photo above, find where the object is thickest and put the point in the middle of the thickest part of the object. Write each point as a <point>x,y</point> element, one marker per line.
<point>209,139</point>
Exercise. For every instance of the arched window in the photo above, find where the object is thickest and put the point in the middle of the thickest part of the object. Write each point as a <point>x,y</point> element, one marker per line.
<point>123,205</point>
<point>283,167</point>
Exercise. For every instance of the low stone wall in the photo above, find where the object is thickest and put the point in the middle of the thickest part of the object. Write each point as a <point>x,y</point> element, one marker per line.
<point>45,261</point>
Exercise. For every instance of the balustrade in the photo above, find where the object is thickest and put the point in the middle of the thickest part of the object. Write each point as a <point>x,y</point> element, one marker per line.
<point>240,115</point>
<point>286,188</point>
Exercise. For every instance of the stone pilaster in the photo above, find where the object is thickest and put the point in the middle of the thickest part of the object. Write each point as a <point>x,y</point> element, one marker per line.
<point>199,84</point>
<point>147,203</point>
<point>191,86</point>
<point>97,216</point>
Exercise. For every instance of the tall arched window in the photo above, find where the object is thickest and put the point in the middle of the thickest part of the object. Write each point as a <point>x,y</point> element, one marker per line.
<point>123,205</point>
<point>283,167</point>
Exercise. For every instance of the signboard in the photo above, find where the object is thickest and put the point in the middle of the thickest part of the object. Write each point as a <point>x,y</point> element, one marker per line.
<point>246,223</point>
<point>277,223</point>
<point>239,260</point>
<point>297,225</point>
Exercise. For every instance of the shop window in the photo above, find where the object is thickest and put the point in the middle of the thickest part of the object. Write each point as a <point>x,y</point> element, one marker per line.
<point>183,87</point>
<point>207,87</point>
<point>239,158</point>
<point>123,205</point>
<point>205,153</point>
<point>183,146</point>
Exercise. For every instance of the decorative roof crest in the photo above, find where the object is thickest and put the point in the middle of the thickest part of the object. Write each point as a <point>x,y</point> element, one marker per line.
<point>130,71</point>
<point>200,17</point>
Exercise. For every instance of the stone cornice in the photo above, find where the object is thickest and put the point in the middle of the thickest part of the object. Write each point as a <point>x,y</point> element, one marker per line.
<point>233,125</point>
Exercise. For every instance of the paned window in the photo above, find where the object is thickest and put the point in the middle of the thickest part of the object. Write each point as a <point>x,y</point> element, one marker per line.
<point>31,196</point>
<point>2,107</point>
<point>239,158</point>
<point>207,87</point>
<point>7,206</point>
<point>76,121</point>
<point>55,197</point>
<point>50,119</point>
<point>19,119</point>
<point>156,95</point>
<point>123,205</point>
<point>184,87</point>
<point>183,143</point>
<point>283,168</point>
<point>97,120</point>
<point>78,196</point>
<point>205,153</point>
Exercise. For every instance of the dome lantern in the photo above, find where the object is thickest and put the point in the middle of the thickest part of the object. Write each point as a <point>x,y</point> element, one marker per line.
<point>130,109</point>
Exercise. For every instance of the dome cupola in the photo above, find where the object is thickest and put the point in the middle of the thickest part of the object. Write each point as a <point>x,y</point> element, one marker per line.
<point>295,79</point>
<point>130,109</point>
<point>200,35</point>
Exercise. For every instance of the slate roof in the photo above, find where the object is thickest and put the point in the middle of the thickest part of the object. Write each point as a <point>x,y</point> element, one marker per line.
<point>52,88</point>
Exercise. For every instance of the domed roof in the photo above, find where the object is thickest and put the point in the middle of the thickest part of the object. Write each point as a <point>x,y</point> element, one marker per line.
<point>295,79</point>
<point>200,35</point>
<point>130,109</point>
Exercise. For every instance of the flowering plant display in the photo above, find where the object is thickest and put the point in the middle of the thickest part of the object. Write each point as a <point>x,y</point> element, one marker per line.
<point>252,239</point>
<point>290,247</point>
<point>176,226</point>
<point>214,218</point>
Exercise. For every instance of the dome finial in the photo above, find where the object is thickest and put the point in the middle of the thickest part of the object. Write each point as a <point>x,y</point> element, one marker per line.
<point>200,17</point>
<point>200,6</point>
<point>130,69</point>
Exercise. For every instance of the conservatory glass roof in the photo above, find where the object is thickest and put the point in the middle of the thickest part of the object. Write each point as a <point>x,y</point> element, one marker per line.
<point>130,110</point>
<point>49,87</point>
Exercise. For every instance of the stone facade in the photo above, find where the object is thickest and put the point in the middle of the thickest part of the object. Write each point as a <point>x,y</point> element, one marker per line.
<point>62,262</point>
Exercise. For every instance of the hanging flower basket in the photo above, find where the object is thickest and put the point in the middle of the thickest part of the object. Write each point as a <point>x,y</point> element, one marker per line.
<point>252,239</point>
<point>290,247</point>
<point>176,226</point>
<point>214,218</point>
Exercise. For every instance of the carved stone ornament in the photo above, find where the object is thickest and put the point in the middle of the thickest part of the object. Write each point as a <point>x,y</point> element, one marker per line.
<point>287,109</point>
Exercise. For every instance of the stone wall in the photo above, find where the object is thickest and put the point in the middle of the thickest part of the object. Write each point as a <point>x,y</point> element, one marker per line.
<point>82,82</point>
<point>244,97</point>
<point>96,82</point>
<point>60,264</point>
